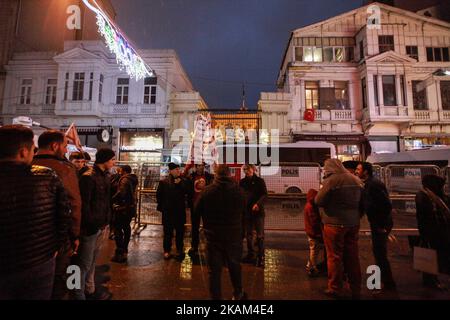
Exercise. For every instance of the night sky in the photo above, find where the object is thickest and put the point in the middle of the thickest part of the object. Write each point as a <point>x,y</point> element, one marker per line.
<point>224,43</point>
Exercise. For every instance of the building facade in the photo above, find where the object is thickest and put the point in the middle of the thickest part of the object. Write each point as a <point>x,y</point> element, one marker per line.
<point>84,85</point>
<point>365,87</point>
<point>41,26</point>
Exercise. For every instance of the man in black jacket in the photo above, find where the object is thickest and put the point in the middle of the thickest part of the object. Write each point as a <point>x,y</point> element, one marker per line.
<point>95,216</point>
<point>377,205</point>
<point>51,154</point>
<point>34,219</point>
<point>124,208</point>
<point>171,197</point>
<point>221,207</point>
<point>199,179</point>
<point>256,194</point>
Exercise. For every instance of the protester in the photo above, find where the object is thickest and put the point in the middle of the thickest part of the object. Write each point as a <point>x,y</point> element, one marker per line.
<point>256,194</point>
<point>171,197</point>
<point>313,227</point>
<point>378,208</point>
<point>51,154</point>
<point>221,207</point>
<point>433,220</point>
<point>95,216</point>
<point>199,179</point>
<point>115,178</point>
<point>35,219</point>
<point>351,165</point>
<point>124,208</point>
<point>77,160</point>
<point>340,198</point>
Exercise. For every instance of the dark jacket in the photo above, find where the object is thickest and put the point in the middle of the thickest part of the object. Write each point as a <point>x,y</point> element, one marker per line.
<point>171,198</point>
<point>67,172</point>
<point>96,200</point>
<point>433,219</point>
<point>221,206</point>
<point>376,204</point>
<point>340,196</point>
<point>34,216</point>
<point>313,222</point>
<point>125,195</point>
<point>256,193</point>
<point>194,193</point>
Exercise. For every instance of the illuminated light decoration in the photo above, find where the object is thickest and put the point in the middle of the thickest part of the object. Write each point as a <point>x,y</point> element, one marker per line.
<point>127,58</point>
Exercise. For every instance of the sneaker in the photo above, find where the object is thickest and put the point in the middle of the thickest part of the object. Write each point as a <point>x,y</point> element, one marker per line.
<point>313,272</point>
<point>242,296</point>
<point>166,255</point>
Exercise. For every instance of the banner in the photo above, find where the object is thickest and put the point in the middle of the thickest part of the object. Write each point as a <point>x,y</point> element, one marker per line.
<point>73,137</point>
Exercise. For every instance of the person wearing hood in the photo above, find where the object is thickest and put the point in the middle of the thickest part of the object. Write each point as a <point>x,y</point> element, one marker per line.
<point>221,206</point>
<point>433,220</point>
<point>313,228</point>
<point>124,208</point>
<point>340,198</point>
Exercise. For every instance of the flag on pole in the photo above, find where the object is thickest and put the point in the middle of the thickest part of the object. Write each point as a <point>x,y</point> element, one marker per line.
<point>73,137</point>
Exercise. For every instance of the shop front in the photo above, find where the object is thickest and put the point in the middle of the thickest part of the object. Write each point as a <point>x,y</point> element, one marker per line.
<point>94,137</point>
<point>348,147</point>
<point>141,145</point>
<point>424,141</point>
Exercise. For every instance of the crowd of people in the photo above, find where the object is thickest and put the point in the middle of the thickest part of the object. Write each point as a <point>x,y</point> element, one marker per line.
<point>56,212</point>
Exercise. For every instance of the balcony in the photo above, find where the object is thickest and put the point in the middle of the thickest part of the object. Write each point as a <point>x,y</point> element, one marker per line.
<point>30,109</point>
<point>445,115</point>
<point>71,108</point>
<point>425,115</point>
<point>132,109</point>
<point>334,115</point>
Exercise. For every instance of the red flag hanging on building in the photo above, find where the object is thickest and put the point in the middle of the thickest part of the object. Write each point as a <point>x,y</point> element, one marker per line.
<point>309,115</point>
<point>73,137</point>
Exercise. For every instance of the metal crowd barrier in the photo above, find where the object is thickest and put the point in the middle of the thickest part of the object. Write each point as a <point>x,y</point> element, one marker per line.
<point>407,179</point>
<point>288,185</point>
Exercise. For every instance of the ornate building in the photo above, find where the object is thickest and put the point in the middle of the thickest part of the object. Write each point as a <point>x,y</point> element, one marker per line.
<point>347,80</point>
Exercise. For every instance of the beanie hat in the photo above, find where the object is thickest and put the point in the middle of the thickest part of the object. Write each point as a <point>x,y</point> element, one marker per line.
<point>173,166</point>
<point>104,155</point>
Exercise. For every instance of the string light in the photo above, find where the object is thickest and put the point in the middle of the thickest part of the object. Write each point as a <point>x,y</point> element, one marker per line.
<point>127,58</point>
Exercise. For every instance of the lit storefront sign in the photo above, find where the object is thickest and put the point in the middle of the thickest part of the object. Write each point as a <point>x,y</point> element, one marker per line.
<point>126,56</point>
<point>141,145</point>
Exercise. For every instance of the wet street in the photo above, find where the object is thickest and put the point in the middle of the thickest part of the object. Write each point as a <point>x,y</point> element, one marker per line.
<point>147,276</point>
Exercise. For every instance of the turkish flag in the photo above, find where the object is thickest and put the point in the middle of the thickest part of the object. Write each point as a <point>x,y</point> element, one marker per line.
<point>309,115</point>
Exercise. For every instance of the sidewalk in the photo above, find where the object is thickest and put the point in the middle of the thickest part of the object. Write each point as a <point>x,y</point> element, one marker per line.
<point>147,276</point>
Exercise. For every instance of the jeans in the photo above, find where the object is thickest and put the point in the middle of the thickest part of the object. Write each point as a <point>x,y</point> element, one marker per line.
<point>35,283</point>
<point>168,234</point>
<point>220,252</point>
<point>122,232</point>
<point>316,248</point>
<point>379,248</point>
<point>87,255</point>
<point>255,222</point>
<point>341,244</point>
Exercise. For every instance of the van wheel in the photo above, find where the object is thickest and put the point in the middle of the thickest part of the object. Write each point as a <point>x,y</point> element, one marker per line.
<point>293,190</point>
